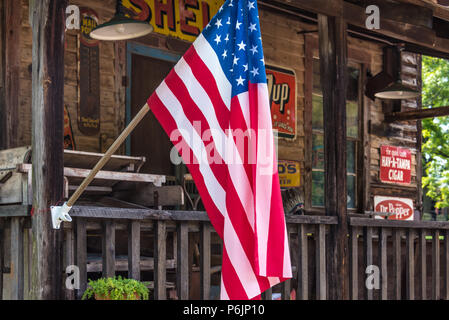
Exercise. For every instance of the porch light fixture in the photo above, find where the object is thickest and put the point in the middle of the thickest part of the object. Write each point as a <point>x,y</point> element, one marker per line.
<point>397,90</point>
<point>121,27</point>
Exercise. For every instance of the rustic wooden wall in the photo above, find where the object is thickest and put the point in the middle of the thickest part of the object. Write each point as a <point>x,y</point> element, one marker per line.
<point>283,46</point>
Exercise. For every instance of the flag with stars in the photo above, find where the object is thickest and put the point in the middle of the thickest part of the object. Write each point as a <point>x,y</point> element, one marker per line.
<point>214,106</point>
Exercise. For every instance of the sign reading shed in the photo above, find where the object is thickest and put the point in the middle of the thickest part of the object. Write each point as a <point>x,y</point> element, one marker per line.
<point>395,165</point>
<point>282,90</point>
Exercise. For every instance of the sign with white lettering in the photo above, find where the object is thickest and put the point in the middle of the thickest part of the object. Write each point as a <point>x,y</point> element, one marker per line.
<point>401,207</point>
<point>281,83</point>
<point>395,165</point>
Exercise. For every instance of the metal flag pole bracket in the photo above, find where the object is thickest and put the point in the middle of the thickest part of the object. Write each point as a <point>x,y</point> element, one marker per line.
<point>61,213</point>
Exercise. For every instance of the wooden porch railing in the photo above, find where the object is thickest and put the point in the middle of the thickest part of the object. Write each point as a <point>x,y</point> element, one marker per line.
<point>412,257</point>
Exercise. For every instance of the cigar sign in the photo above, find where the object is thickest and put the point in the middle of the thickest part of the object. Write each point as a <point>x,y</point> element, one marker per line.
<point>183,19</point>
<point>282,91</point>
<point>401,207</point>
<point>395,165</point>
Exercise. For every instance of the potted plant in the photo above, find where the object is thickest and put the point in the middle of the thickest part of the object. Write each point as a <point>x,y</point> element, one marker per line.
<point>116,288</point>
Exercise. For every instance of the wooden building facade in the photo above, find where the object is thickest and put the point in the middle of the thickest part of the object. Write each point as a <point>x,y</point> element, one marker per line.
<point>335,144</point>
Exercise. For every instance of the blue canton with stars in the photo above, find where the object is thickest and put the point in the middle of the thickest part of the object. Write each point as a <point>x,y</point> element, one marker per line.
<point>234,34</point>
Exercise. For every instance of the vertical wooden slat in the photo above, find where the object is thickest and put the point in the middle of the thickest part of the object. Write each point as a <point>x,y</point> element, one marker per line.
<point>69,259</point>
<point>383,267</point>
<point>436,265</point>
<point>286,287</point>
<point>267,294</point>
<point>108,248</point>
<point>160,245</point>
<point>182,271</point>
<point>397,263</point>
<point>423,263</point>
<point>446,264</point>
<point>302,268</point>
<point>81,254</point>
<point>2,252</point>
<point>368,248</point>
<point>320,241</point>
<point>17,274</point>
<point>410,265</point>
<point>354,256</point>
<point>205,257</point>
<point>134,249</point>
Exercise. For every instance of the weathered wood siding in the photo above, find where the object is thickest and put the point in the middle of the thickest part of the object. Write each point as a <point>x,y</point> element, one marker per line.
<point>283,46</point>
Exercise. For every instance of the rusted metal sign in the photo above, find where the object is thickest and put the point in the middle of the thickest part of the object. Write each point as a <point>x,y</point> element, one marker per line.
<point>395,165</point>
<point>282,90</point>
<point>89,75</point>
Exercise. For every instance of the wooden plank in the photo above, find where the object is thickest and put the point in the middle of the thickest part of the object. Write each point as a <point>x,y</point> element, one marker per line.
<point>302,267</point>
<point>267,294</point>
<point>446,265</point>
<point>16,210</point>
<point>436,265</point>
<point>160,245</point>
<point>354,254</point>
<point>87,160</point>
<point>205,261</point>
<point>410,265</point>
<point>145,195</point>
<point>368,248</point>
<point>13,28</point>
<point>397,263</point>
<point>182,270</point>
<point>134,249</point>
<point>377,223</point>
<point>417,114</point>
<point>320,243</point>
<point>106,175</point>
<point>17,266</point>
<point>2,253</point>
<point>48,30</point>
<point>332,33</point>
<point>310,219</point>
<point>383,267</point>
<point>308,88</point>
<point>81,254</point>
<point>69,259</point>
<point>108,251</point>
<point>423,263</point>
<point>286,289</point>
<point>95,264</point>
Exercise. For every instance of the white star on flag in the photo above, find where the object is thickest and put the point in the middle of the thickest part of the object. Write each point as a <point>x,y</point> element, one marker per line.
<point>253,49</point>
<point>241,45</point>
<point>217,39</point>
<point>240,81</point>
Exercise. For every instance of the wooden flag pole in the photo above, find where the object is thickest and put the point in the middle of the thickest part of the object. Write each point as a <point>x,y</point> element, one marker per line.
<point>100,164</point>
<point>60,213</point>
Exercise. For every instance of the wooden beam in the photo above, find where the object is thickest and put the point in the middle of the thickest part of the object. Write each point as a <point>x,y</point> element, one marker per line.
<point>417,114</point>
<point>355,15</point>
<point>47,143</point>
<point>333,71</point>
<point>13,28</point>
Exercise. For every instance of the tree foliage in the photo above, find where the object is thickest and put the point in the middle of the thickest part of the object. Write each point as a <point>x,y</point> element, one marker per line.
<point>435,73</point>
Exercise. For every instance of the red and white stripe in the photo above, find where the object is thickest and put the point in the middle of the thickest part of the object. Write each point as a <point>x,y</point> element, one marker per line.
<point>242,199</point>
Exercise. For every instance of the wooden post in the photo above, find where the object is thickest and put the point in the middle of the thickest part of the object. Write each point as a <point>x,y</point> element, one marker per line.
<point>47,143</point>
<point>134,249</point>
<point>10,67</point>
<point>333,69</point>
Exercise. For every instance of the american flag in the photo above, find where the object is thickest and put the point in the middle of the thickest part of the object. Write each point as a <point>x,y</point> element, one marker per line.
<point>214,105</point>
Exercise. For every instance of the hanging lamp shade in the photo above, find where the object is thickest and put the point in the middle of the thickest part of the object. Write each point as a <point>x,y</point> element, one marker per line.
<point>397,90</point>
<point>121,27</point>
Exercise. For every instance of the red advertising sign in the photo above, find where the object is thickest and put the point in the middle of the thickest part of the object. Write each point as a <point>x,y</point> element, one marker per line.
<point>401,207</point>
<point>395,165</point>
<point>281,84</point>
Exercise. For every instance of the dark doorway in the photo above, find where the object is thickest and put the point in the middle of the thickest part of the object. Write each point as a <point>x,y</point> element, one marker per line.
<point>149,139</point>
